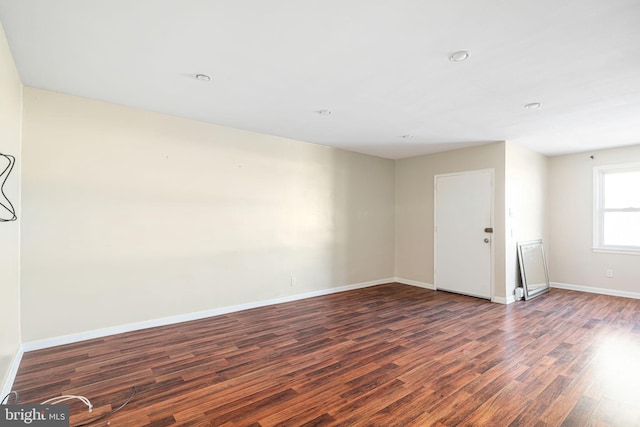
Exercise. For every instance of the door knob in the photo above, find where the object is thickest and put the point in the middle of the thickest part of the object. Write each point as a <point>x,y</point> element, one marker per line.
<point>486,240</point>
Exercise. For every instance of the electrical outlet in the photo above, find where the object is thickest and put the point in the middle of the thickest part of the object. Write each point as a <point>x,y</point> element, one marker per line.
<point>609,274</point>
<point>293,281</point>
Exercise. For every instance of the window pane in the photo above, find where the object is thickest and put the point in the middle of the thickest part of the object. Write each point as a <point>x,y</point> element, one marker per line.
<point>622,190</point>
<point>622,229</point>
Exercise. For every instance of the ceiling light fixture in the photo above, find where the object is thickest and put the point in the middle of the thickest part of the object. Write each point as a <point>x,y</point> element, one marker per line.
<point>324,112</point>
<point>532,106</point>
<point>203,77</point>
<point>459,56</point>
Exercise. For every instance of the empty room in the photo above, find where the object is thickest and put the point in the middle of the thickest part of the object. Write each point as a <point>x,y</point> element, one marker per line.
<point>339,213</point>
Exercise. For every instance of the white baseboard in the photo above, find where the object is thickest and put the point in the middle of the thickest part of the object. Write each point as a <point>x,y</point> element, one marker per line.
<point>414,283</point>
<point>7,385</point>
<point>99,333</point>
<point>500,300</point>
<point>589,289</point>
<point>504,300</point>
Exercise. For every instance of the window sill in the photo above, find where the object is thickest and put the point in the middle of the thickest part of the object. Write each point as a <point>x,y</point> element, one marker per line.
<point>617,251</point>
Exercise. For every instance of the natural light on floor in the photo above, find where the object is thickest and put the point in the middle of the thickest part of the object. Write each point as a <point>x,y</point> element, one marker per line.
<point>618,369</point>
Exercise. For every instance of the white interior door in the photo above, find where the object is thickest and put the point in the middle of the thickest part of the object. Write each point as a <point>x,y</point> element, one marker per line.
<point>463,210</point>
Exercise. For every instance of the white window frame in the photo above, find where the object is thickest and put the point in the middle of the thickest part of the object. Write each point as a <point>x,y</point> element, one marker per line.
<point>598,209</point>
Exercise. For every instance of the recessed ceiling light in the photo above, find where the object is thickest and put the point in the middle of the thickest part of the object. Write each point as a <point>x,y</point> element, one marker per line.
<point>203,77</point>
<point>459,56</point>
<point>532,106</point>
<point>323,112</point>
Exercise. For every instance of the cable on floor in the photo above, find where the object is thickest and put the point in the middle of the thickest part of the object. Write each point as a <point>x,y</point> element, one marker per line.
<point>6,398</point>
<point>60,399</point>
<point>134,390</point>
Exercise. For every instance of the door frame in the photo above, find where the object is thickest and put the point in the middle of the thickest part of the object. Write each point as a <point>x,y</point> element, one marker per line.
<point>492,192</point>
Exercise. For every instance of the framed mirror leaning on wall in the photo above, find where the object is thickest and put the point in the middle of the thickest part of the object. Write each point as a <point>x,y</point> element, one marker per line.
<point>533,268</point>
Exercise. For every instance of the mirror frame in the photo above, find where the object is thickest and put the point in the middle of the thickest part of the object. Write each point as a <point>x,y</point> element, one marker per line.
<point>523,268</point>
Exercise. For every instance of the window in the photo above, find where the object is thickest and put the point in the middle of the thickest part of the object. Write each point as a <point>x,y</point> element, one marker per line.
<point>617,208</point>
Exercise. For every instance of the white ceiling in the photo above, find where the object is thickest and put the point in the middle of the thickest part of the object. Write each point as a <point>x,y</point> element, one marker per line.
<point>380,66</point>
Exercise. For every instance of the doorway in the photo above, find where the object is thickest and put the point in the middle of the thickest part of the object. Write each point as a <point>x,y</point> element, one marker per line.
<point>463,232</point>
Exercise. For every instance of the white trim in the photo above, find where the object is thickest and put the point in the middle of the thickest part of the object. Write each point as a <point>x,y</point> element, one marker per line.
<point>599,209</point>
<point>592,290</point>
<point>597,214</point>
<point>414,283</point>
<point>502,300</point>
<point>99,333</point>
<point>7,385</point>
<point>604,250</point>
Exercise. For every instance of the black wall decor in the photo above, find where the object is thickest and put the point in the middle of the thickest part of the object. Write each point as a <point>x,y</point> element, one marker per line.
<point>7,211</point>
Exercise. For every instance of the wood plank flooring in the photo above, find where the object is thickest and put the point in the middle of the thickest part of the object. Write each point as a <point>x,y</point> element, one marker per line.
<point>389,355</point>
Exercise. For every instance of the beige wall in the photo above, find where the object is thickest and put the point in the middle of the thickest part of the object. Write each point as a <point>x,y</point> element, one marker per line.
<point>131,215</point>
<point>10,124</point>
<point>526,205</point>
<point>571,258</point>
<point>414,208</point>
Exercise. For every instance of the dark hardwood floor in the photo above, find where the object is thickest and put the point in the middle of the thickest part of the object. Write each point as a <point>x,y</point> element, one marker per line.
<point>389,355</point>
